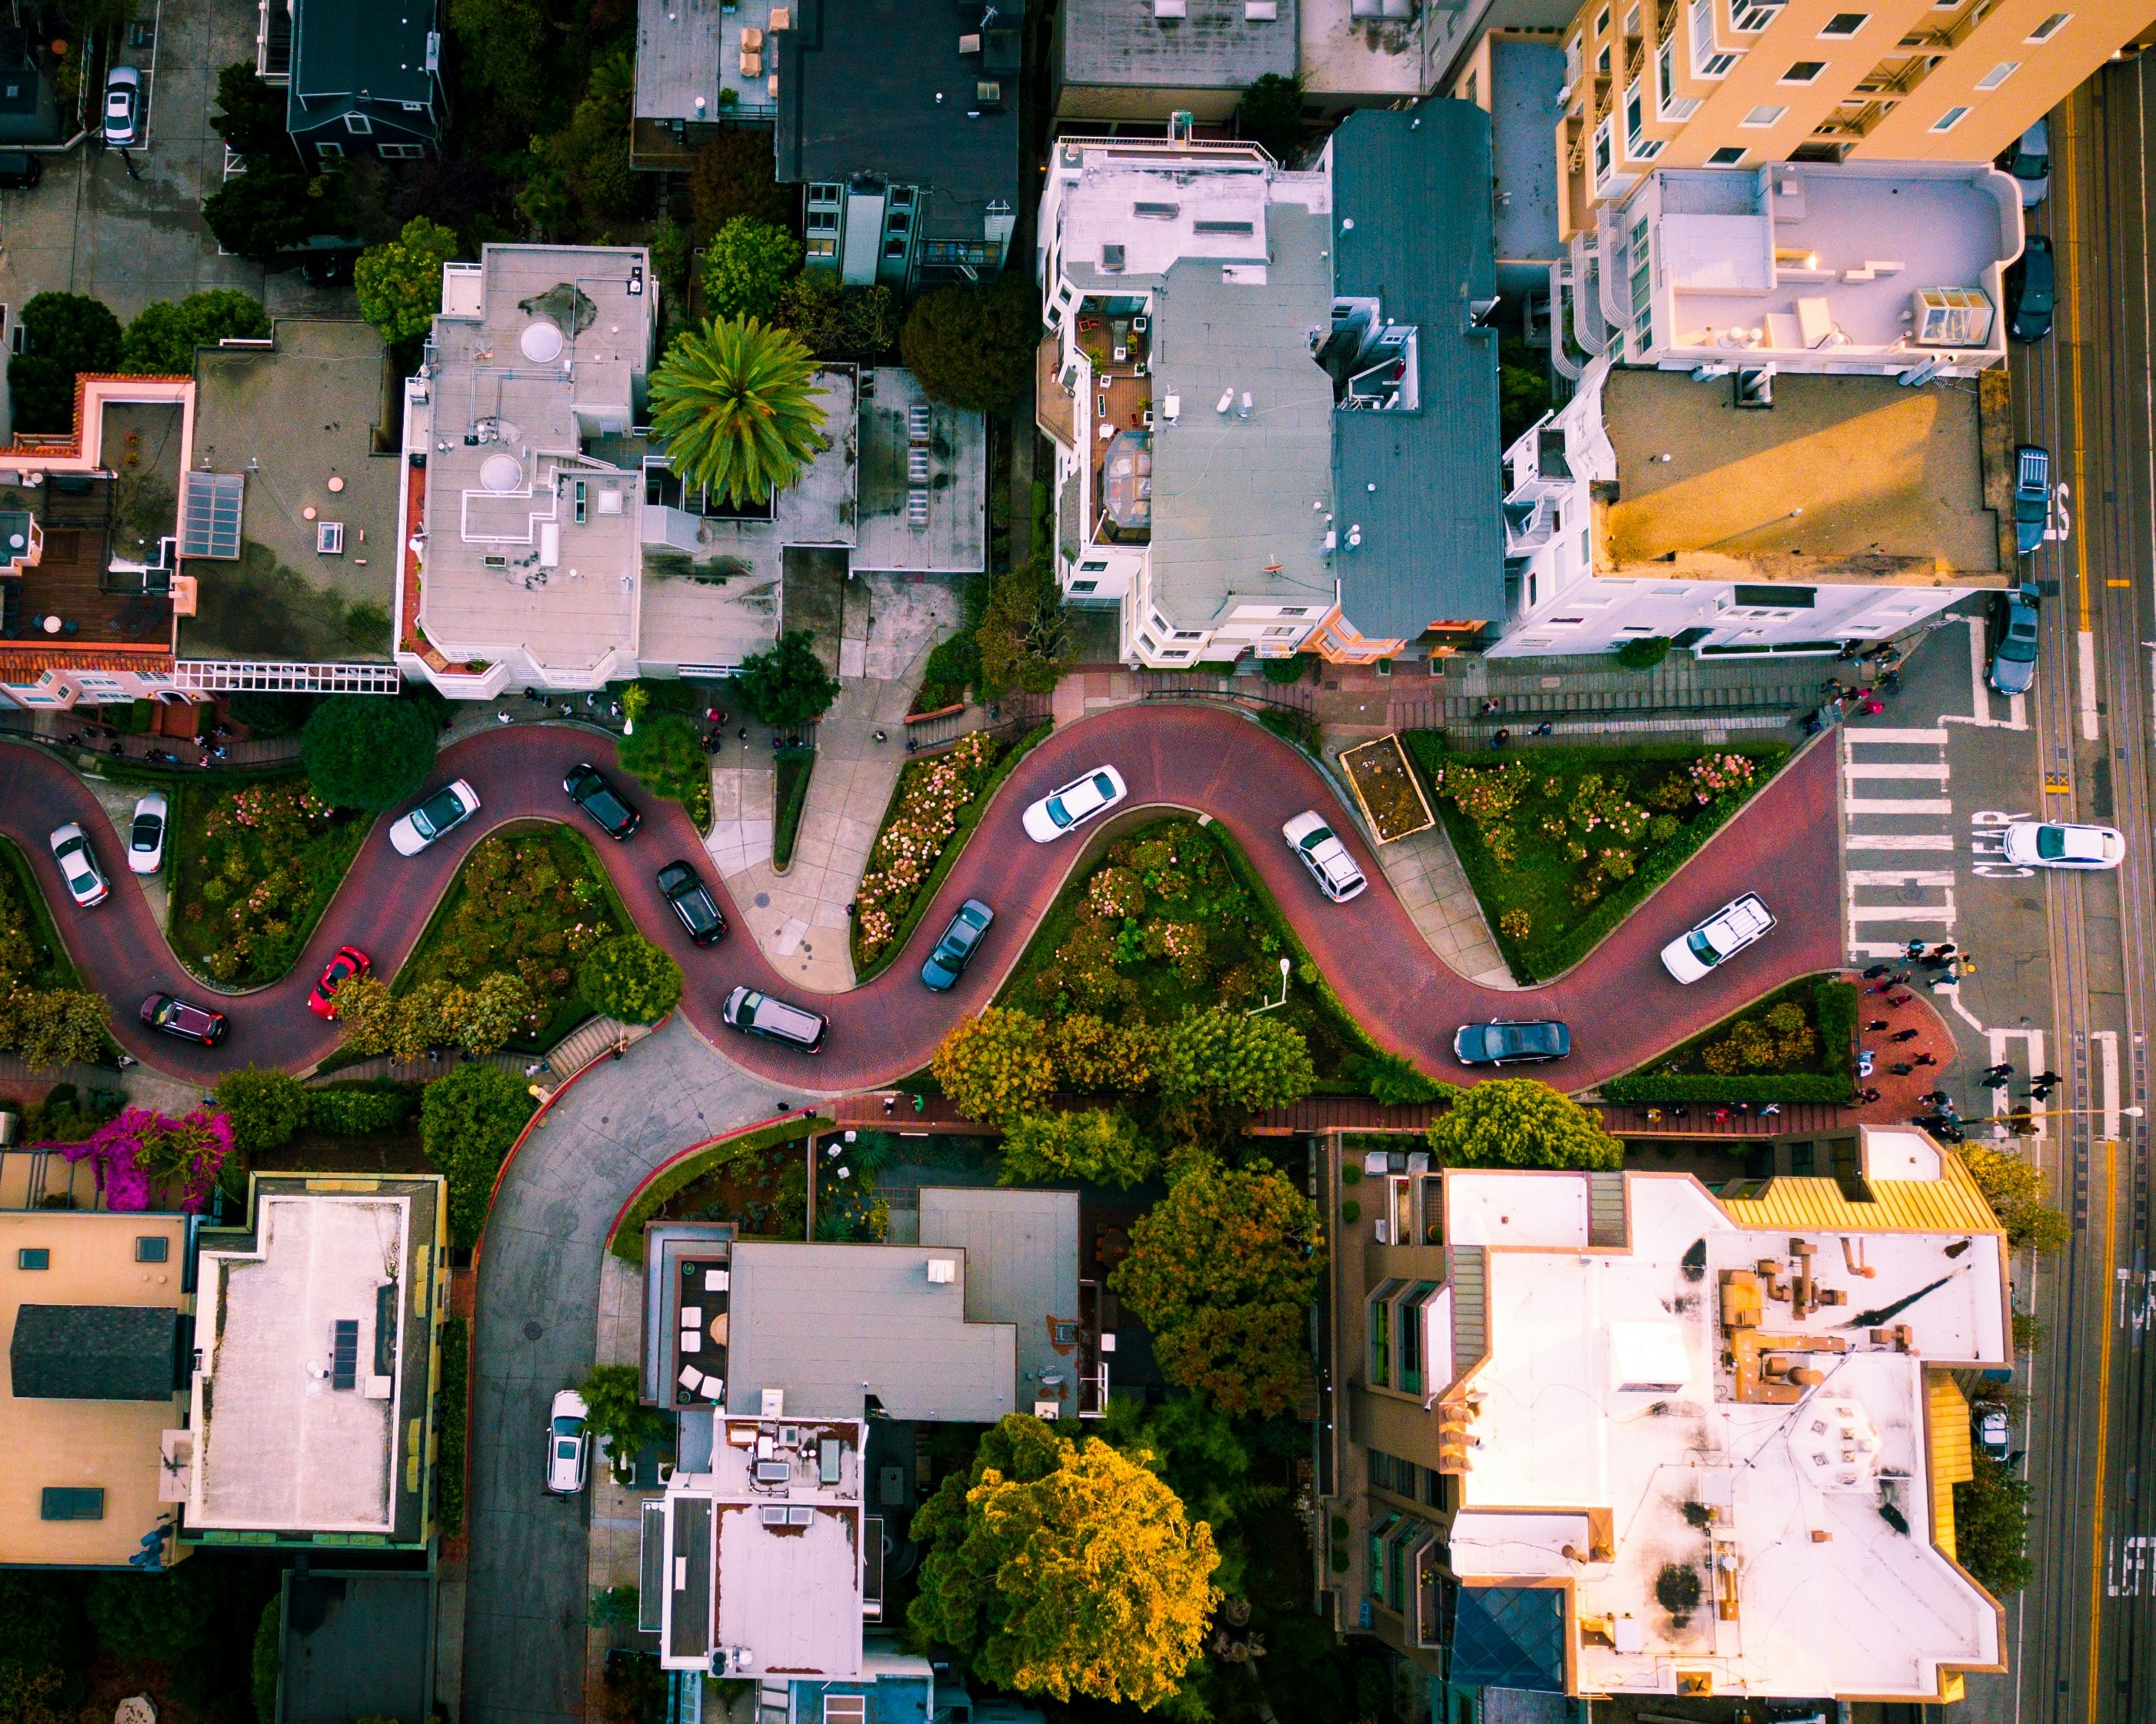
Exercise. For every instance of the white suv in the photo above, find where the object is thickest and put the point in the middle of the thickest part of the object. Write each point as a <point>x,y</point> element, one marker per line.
<point>1325,856</point>
<point>1731,928</point>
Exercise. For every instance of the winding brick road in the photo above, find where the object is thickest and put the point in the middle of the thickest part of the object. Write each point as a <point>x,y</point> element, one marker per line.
<point>1622,1008</point>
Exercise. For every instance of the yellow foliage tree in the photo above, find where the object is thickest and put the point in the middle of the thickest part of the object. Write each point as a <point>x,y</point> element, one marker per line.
<point>996,1066</point>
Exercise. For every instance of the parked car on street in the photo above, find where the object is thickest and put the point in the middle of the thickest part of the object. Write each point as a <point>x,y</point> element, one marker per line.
<point>350,963</point>
<point>1325,856</point>
<point>19,170</point>
<point>947,963</point>
<point>2032,496</point>
<point>568,1444</point>
<point>145,834</point>
<point>1739,923</point>
<point>691,900</point>
<point>452,805</point>
<point>2013,629</point>
<point>589,791</point>
<point>754,1014</point>
<point>2057,844</point>
<point>1993,1436</point>
<point>2030,162</point>
<point>123,107</point>
<point>1074,804</point>
<point>85,880</point>
<point>2031,283</point>
<point>170,1015</point>
<point>1512,1041</point>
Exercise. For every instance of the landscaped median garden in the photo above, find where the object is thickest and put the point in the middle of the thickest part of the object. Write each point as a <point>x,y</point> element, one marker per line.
<point>45,1013</point>
<point>1561,844</point>
<point>1799,1044</point>
<point>758,1178</point>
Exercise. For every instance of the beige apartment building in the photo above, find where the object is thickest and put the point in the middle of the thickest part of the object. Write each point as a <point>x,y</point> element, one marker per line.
<point>1739,82</point>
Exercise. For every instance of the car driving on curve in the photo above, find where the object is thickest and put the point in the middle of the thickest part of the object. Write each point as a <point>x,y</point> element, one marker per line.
<point>691,900</point>
<point>85,880</point>
<point>170,1015</point>
<point>2057,843</point>
<point>589,791</point>
<point>1736,925</point>
<point>947,963</point>
<point>2012,625</point>
<point>145,834</point>
<point>759,1014</point>
<point>1074,804</point>
<point>452,805</point>
<point>1512,1041</point>
<point>349,962</point>
<point>1325,856</point>
<point>568,1444</point>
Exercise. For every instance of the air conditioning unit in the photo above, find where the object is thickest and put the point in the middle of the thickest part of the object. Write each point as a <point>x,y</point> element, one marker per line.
<point>942,1271</point>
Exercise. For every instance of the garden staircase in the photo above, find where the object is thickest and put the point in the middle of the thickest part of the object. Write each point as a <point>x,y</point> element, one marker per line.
<point>1681,695</point>
<point>587,1042</point>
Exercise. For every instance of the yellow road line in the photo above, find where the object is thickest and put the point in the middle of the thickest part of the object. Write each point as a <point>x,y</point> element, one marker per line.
<point>2103,1420</point>
<point>2074,352</point>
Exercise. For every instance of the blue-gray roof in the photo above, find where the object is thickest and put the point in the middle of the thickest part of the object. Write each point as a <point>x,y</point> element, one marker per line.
<point>343,50</point>
<point>1415,186</point>
<point>1508,1637</point>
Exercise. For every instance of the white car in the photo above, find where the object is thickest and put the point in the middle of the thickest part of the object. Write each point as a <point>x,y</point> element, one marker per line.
<point>1074,804</point>
<point>2052,844</point>
<point>123,107</point>
<point>452,805</point>
<point>1731,928</point>
<point>1325,856</point>
<point>568,1444</point>
<point>145,834</point>
<point>85,880</point>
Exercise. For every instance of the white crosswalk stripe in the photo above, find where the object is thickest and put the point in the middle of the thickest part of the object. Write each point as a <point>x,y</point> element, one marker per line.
<point>1888,906</point>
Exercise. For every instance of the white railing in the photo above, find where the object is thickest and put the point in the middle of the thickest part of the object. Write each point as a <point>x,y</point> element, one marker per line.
<point>225,677</point>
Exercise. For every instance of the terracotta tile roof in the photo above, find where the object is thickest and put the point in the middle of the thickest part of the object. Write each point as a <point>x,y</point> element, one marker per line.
<point>22,661</point>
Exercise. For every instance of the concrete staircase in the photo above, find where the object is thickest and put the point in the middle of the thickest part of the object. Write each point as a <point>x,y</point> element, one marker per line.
<point>1681,695</point>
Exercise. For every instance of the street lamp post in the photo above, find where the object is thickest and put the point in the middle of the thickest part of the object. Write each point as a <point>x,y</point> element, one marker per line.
<point>1286,967</point>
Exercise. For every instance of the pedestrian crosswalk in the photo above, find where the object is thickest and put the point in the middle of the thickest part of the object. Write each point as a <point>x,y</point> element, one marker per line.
<point>1894,803</point>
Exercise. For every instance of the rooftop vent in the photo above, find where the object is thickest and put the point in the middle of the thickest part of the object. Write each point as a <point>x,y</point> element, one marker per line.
<point>943,1272</point>
<point>1220,226</point>
<point>1156,212</point>
<point>1112,256</point>
<point>344,1358</point>
<point>1169,9</point>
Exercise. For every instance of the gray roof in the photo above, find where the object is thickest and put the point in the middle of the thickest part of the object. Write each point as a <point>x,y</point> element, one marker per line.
<point>352,47</point>
<point>1525,79</point>
<point>869,87</point>
<point>1122,43</point>
<point>1021,1250</point>
<point>1232,496</point>
<point>93,1352</point>
<point>831,1324</point>
<point>1415,183</point>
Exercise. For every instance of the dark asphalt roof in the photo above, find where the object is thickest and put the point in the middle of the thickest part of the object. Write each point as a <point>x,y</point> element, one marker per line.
<point>342,47</point>
<point>858,87</point>
<point>93,1352</point>
<point>1415,183</point>
<point>1215,45</point>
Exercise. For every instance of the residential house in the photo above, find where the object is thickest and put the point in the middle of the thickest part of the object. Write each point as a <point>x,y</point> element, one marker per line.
<point>363,81</point>
<point>903,126</point>
<point>1516,77</point>
<point>312,1414</point>
<point>1126,62</point>
<point>1272,392</point>
<point>1763,1427</point>
<point>702,66</point>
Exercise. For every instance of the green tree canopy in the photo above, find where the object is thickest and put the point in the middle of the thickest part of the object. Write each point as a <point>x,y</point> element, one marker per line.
<point>163,339</point>
<point>995,1066</point>
<point>734,174</point>
<point>664,751</point>
<point>250,115</point>
<point>1064,1569</point>
<point>627,976</point>
<point>788,685</point>
<point>1393,1079</point>
<point>1991,1527</point>
<point>973,346</point>
<point>468,1119</point>
<point>53,1027</point>
<point>836,322</point>
<point>734,405</point>
<point>399,281</point>
<point>162,1616</point>
<point>1271,115</point>
<point>613,1412</point>
<point>506,46</point>
<point>265,1108</point>
<point>63,334</point>
<point>1222,1270</point>
<point>1215,1063</point>
<point>266,212</point>
<point>1199,1454</point>
<point>1521,1122</point>
<point>364,752</point>
<point>746,267</point>
<point>1096,1145</point>
<point>2015,1189</point>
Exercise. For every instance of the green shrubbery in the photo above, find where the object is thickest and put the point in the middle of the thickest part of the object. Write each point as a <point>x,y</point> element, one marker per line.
<point>42,1012</point>
<point>467,1119</point>
<point>254,869</point>
<point>1796,1045</point>
<point>364,752</point>
<point>454,1392</point>
<point>628,1241</point>
<point>628,978</point>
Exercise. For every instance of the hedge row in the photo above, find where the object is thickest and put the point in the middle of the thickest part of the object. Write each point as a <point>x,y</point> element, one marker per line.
<point>1834,1010</point>
<point>628,1241</point>
<point>449,1435</point>
<point>351,1112</point>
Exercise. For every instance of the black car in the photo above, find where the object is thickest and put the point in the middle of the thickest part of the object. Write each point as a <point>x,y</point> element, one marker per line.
<point>600,800</point>
<point>956,949</point>
<point>1510,1042</point>
<point>681,887</point>
<point>2031,282</point>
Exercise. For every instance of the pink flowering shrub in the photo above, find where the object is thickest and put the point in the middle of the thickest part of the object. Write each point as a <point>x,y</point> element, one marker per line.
<point>1714,775</point>
<point>931,795</point>
<point>143,1155</point>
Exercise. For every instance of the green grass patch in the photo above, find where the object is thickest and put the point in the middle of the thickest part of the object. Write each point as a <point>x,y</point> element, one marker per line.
<point>22,905</point>
<point>793,767</point>
<point>1561,844</point>
<point>1758,1060</point>
<point>628,1241</point>
<point>453,1391</point>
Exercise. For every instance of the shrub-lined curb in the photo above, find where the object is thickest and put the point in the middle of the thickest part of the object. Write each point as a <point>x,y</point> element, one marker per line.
<point>625,1237</point>
<point>1834,1007</point>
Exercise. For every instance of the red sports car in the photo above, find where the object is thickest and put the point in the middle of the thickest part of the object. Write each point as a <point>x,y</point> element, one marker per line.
<point>350,961</point>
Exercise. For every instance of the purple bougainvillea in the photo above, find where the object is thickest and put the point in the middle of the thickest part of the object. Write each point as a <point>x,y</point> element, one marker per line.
<point>143,1155</point>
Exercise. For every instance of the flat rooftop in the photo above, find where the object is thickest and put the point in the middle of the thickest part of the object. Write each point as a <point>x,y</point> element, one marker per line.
<point>1362,47</point>
<point>1210,44</point>
<point>1525,78</point>
<point>910,443</point>
<point>1021,1269</point>
<point>688,49</point>
<point>1845,478</point>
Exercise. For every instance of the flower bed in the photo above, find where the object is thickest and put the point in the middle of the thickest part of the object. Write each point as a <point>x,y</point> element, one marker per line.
<point>757,1159</point>
<point>1393,803</point>
<point>1561,844</point>
<point>142,1157</point>
<point>253,870</point>
<point>1794,1045</point>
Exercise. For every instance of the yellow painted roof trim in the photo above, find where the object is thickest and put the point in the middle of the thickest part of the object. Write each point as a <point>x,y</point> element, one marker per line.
<point>1947,1441</point>
<point>1951,1203</point>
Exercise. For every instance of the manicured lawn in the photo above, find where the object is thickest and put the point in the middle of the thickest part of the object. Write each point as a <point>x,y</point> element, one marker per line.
<point>252,868</point>
<point>533,903</point>
<point>1560,844</point>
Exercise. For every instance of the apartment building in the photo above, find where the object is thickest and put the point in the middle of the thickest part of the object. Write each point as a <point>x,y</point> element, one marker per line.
<point>1272,392</point>
<point>1736,83</point>
<point>1749,1493</point>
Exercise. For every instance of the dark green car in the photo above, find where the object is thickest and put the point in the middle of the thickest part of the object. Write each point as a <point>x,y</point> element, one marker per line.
<point>956,949</point>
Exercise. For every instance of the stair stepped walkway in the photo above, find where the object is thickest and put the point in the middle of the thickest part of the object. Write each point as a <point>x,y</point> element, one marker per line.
<point>586,1043</point>
<point>1681,695</point>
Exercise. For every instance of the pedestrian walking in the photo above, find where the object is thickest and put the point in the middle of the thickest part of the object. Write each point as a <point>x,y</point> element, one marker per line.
<point>1914,951</point>
<point>2047,1076</point>
<point>1945,948</point>
<point>1899,999</point>
<point>1926,1059</point>
<point>1936,1097</point>
<point>1492,707</point>
<point>1901,1068</point>
<point>1876,971</point>
<point>1872,707</point>
<point>881,737</point>
<point>1501,738</point>
<point>2004,1069</point>
<point>1906,1035</point>
<point>501,718</point>
<point>1993,1080</point>
<point>1867,1095</point>
<point>2040,1092</point>
<point>1654,1116</point>
<point>1721,1116</point>
<point>1543,729</point>
<point>1770,1110</point>
<point>1876,1025</point>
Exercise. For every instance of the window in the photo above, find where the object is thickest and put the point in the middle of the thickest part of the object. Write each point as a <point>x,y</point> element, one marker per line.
<point>1751,18</point>
<point>1572,63</point>
<point>1766,115</point>
<point>329,538</point>
<point>2050,27</point>
<point>359,125</point>
<point>1381,1334</point>
<point>328,147</point>
<point>1632,22</point>
<point>33,1257</point>
<point>1949,120</point>
<point>1729,156</point>
<point>1092,568</point>
<point>1705,63</point>
<point>152,1248</point>
<point>894,249</point>
<point>822,221</point>
<point>1410,1332</point>
<point>1602,22</point>
<point>1803,72</point>
<point>1634,119</point>
<point>1999,74</point>
<point>824,194</point>
<point>1844,23</point>
<point>399,152</point>
<point>1672,105</point>
<point>1190,634</point>
<point>1602,64</point>
<point>72,1502</point>
<point>1601,152</point>
<point>1085,586</point>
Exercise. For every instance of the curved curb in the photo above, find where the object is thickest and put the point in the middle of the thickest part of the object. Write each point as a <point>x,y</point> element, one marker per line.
<point>680,1156</point>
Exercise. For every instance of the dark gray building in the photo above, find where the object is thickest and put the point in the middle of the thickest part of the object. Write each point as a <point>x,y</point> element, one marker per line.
<point>903,126</point>
<point>365,79</point>
<point>1141,60</point>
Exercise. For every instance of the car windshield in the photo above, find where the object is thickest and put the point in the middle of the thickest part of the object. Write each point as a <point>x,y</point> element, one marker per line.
<point>1104,785</point>
<point>1057,812</point>
<point>1313,839</point>
<point>2050,842</point>
<point>1702,947</point>
<point>147,827</point>
<point>2020,645</point>
<point>570,1428</point>
<point>434,813</point>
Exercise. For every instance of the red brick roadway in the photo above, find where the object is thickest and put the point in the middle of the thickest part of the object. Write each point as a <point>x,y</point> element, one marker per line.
<point>1622,1007</point>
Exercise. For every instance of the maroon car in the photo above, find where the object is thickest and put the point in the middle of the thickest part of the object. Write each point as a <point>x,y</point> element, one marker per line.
<point>170,1015</point>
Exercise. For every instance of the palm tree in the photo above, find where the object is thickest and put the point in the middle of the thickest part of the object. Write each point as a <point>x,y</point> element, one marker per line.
<point>732,405</point>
